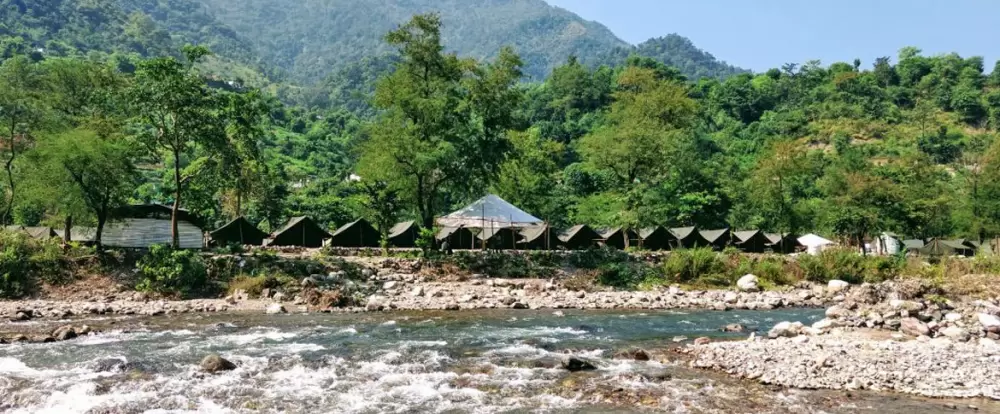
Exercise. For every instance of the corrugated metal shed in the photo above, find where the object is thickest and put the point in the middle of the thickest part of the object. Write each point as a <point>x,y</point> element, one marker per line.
<point>141,233</point>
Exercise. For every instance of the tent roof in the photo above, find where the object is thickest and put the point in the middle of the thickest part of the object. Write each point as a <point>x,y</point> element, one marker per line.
<point>650,231</point>
<point>713,235</point>
<point>237,224</point>
<point>40,232</point>
<point>775,238</point>
<point>683,232</point>
<point>813,240</point>
<point>745,235</point>
<point>401,228</point>
<point>446,232</point>
<point>913,244</point>
<point>571,232</point>
<point>487,234</point>
<point>533,233</point>
<point>489,211</point>
<point>348,226</point>
<point>295,221</point>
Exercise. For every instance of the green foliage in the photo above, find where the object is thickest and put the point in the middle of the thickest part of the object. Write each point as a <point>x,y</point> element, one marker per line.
<point>849,266</point>
<point>690,265</point>
<point>26,262</point>
<point>172,272</point>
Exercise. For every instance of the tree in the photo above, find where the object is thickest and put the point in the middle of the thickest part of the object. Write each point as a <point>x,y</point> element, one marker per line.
<point>244,115</point>
<point>444,119</point>
<point>21,110</point>
<point>776,186</point>
<point>97,171</point>
<point>382,205</point>
<point>529,176</point>
<point>176,113</point>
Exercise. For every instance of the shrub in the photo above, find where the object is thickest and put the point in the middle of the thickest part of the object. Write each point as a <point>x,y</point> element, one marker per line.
<point>687,265</point>
<point>595,258</point>
<point>24,262</point>
<point>625,274</point>
<point>173,272</point>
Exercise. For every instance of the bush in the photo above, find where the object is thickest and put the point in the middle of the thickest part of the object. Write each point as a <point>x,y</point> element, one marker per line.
<point>687,265</point>
<point>625,274</point>
<point>172,272</point>
<point>849,266</point>
<point>24,262</point>
<point>595,258</point>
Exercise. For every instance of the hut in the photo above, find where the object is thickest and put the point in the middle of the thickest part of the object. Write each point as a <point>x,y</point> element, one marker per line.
<point>404,235</point>
<point>685,237</point>
<point>301,232</point>
<point>579,237</point>
<point>238,231</point>
<point>457,237</point>
<point>782,243</point>
<point>499,238</point>
<point>144,225</point>
<point>751,241</point>
<point>539,238</point>
<point>619,238</point>
<point>357,234</point>
<point>655,238</point>
<point>717,239</point>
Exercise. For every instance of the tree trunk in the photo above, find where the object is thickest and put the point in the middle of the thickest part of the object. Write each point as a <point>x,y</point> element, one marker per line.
<point>9,166</point>
<point>175,237</point>
<point>102,218</point>
<point>68,230</point>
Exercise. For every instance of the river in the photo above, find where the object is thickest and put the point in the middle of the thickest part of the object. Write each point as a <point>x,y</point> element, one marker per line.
<point>414,362</point>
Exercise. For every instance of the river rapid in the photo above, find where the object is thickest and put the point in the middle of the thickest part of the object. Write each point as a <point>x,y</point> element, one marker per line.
<point>499,361</point>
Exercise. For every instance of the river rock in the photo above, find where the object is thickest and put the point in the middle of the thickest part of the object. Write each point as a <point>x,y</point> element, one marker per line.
<point>955,333</point>
<point>215,363</point>
<point>990,323</point>
<point>747,283</point>
<point>274,309</point>
<point>574,364</point>
<point>634,354</point>
<point>733,327</point>
<point>837,312</point>
<point>375,303</point>
<point>913,327</point>
<point>785,330</point>
<point>835,286</point>
<point>823,324</point>
<point>702,341</point>
<point>21,316</point>
<point>64,333</point>
<point>952,317</point>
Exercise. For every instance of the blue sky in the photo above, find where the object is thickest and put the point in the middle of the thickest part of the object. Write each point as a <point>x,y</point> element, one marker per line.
<point>761,34</point>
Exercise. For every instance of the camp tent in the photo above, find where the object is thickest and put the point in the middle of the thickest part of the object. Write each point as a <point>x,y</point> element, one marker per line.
<point>143,225</point>
<point>751,241</point>
<point>616,237</point>
<point>655,238</point>
<point>579,237</point>
<point>404,234</point>
<point>85,235</point>
<point>41,232</point>
<point>782,243</point>
<point>357,233</point>
<point>814,244</point>
<point>539,238</point>
<point>499,238</point>
<point>489,212</point>
<point>717,239</point>
<point>967,247</point>
<point>886,244</point>
<point>685,237</point>
<point>457,237</point>
<point>938,247</point>
<point>913,245</point>
<point>301,232</point>
<point>238,231</point>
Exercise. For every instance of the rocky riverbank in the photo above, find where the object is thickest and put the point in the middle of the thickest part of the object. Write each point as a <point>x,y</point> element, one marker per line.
<point>887,337</point>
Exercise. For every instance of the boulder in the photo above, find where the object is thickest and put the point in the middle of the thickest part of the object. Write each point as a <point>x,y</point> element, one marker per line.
<point>748,283</point>
<point>389,285</point>
<point>702,341</point>
<point>953,317</point>
<point>574,364</point>
<point>955,333</point>
<point>731,297</point>
<point>733,327</point>
<point>785,330</point>
<point>913,327</point>
<point>417,291</point>
<point>990,323</point>
<point>21,316</point>
<point>215,363</point>
<point>519,305</point>
<point>634,354</point>
<point>274,309</point>
<point>64,333</point>
<point>835,286</point>
<point>837,312</point>
<point>375,303</point>
<point>308,282</point>
<point>823,324</point>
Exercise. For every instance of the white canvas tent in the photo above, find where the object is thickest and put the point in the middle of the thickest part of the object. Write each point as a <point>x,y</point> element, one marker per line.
<point>814,244</point>
<point>490,212</point>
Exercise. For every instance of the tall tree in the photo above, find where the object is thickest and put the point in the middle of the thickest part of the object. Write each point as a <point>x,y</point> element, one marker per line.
<point>176,113</point>
<point>21,111</point>
<point>443,120</point>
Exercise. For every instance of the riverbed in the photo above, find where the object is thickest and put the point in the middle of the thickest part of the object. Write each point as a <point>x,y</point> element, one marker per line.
<point>504,361</point>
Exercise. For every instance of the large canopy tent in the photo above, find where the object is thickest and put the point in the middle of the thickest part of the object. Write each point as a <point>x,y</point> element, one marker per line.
<point>499,238</point>
<point>299,231</point>
<point>579,237</point>
<point>751,241</point>
<point>539,238</point>
<point>717,239</point>
<point>814,244</point>
<point>143,225</point>
<point>357,233</point>
<point>655,238</point>
<point>457,237</point>
<point>489,212</point>
<point>685,237</point>
<point>937,247</point>
<point>783,243</point>
<point>238,231</point>
<point>404,235</point>
<point>617,237</point>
